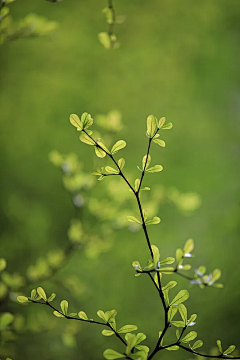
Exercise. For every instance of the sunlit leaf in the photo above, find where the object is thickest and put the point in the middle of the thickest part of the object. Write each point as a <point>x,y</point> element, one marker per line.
<point>108,332</point>
<point>159,142</point>
<point>127,328</point>
<point>121,163</point>
<point>133,219</point>
<point>167,126</point>
<point>151,125</point>
<point>111,170</point>
<point>83,315</point>
<point>118,146</point>
<point>110,354</point>
<point>64,306</point>
<point>189,337</point>
<point>154,221</point>
<point>161,122</point>
<point>42,293</point>
<point>86,139</point>
<point>99,152</point>
<point>197,344</point>
<point>182,296</point>
<point>155,168</point>
<point>229,350</point>
<point>146,160</point>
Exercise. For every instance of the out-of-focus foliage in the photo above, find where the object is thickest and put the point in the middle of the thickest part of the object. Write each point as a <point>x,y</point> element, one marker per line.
<point>32,25</point>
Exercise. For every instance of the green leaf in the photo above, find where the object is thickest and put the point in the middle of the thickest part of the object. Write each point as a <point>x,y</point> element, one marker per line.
<point>174,347</point>
<point>110,314</point>
<point>101,314</point>
<point>42,293</point>
<point>105,40</point>
<point>118,146</point>
<point>57,314</point>
<point>64,306</point>
<point>3,264</point>
<point>183,312</point>
<point>121,163</point>
<point>75,121</point>
<point>111,170</point>
<point>189,337</point>
<point>140,337</point>
<point>156,254</point>
<point>219,345</point>
<point>108,332</point>
<point>133,219</point>
<point>172,312</point>
<point>229,350</point>
<point>167,126</point>
<point>51,297</point>
<point>131,342</point>
<point>142,348</point>
<point>146,160</point>
<point>182,296</point>
<point>197,344</point>
<point>159,142</point>
<point>86,139</point>
<point>151,125</point>
<point>145,188</point>
<point>127,328</point>
<point>72,314</point>
<point>83,315</point>
<point>86,120</point>
<point>192,318</point>
<point>178,323</point>
<point>215,275</point>
<point>189,246</point>
<point>22,299</point>
<point>136,184</point>
<point>155,168</point>
<point>110,354</point>
<point>33,293</point>
<point>179,255</point>
<point>154,221</point>
<point>161,122</point>
<point>167,261</point>
<point>100,152</point>
<point>169,285</point>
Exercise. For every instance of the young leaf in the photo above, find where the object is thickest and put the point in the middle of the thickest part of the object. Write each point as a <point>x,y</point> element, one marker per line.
<point>51,297</point>
<point>100,152</point>
<point>110,354</point>
<point>154,221</point>
<point>151,125</point>
<point>108,332</point>
<point>189,246</point>
<point>22,299</point>
<point>172,312</point>
<point>136,185</point>
<point>159,142</point>
<point>156,254</point>
<point>133,219</point>
<point>64,306</point>
<point>174,347</point>
<point>131,342</point>
<point>75,121</point>
<point>127,328</point>
<point>155,168</point>
<point>86,139</point>
<point>83,315</point>
<point>178,323</point>
<point>111,170</point>
<point>140,337</point>
<point>101,314</point>
<point>56,313</point>
<point>189,337</point>
<point>121,163</point>
<point>183,312</point>
<point>33,293</point>
<point>86,120</point>
<point>229,350</point>
<point>197,344</point>
<point>219,345</point>
<point>182,296</point>
<point>192,319</point>
<point>170,285</point>
<point>161,122</point>
<point>167,261</point>
<point>118,146</point>
<point>42,293</point>
<point>167,126</point>
<point>215,275</point>
<point>146,160</point>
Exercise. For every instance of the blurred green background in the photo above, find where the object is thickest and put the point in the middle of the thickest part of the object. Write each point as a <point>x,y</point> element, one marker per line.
<point>178,59</point>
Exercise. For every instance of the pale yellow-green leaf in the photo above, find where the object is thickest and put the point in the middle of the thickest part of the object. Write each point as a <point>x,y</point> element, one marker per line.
<point>197,344</point>
<point>101,314</point>
<point>173,348</point>
<point>121,163</point>
<point>108,332</point>
<point>159,142</point>
<point>42,293</point>
<point>33,293</point>
<point>146,162</point>
<point>99,152</point>
<point>189,337</point>
<point>154,221</point>
<point>182,296</point>
<point>22,299</point>
<point>64,306</point>
<point>167,126</point>
<point>155,168</point>
<point>51,297</point>
<point>168,261</point>
<point>156,254</point>
<point>127,328</point>
<point>111,170</point>
<point>110,354</point>
<point>229,350</point>
<point>86,120</point>
<point>189,246</point>
<point>75,121</point>
<point>136,184</point>
<point>105,40</point>
<point>161,122</point>
<point>133,219</point>
<point>86,139</point>
<point>56,313</point>
<point>118,146</point>
<point>83,315</point>
<point>151,125</point>
<point>183,312</point>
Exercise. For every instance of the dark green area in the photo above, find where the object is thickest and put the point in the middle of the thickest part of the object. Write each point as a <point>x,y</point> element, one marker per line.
<point>178,59</point>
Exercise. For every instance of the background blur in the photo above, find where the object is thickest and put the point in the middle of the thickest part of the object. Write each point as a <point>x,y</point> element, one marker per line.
<point>178,59</point>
